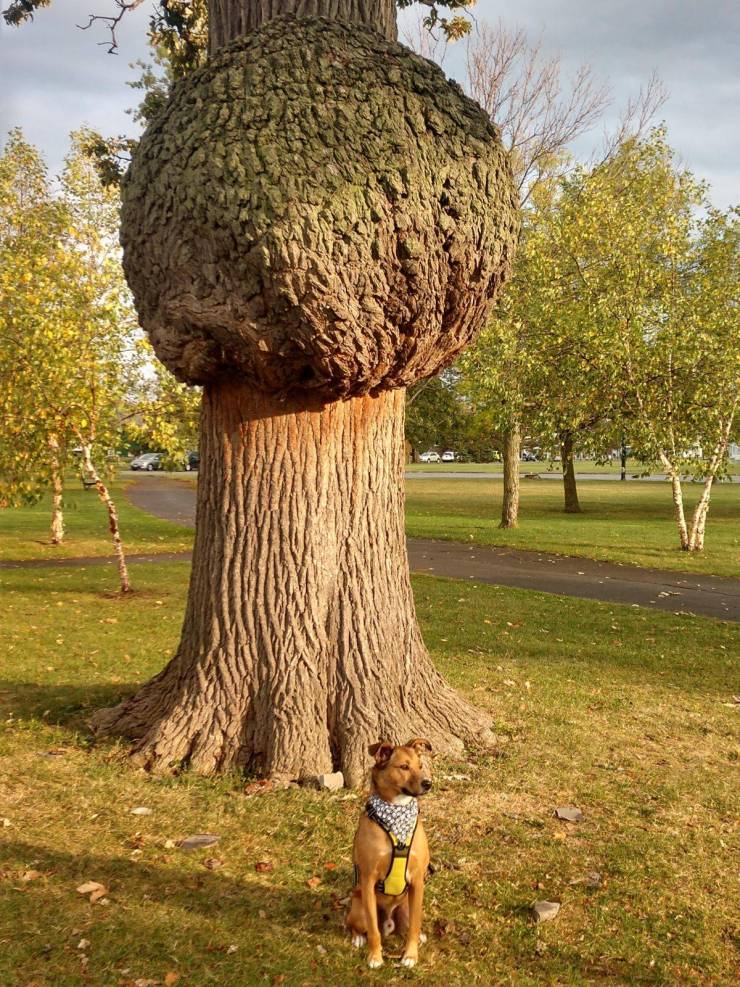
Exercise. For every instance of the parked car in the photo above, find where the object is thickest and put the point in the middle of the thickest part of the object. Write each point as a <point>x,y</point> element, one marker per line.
<point>429,457</point>
<point>528,457</point>
<point>448,456</point>
<point>192,461</point>
<point>149,461</point>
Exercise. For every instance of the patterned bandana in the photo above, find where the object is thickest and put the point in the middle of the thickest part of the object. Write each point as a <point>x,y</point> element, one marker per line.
<point>397,819</point>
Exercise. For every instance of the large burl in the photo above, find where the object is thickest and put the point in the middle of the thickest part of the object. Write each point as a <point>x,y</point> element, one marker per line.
<point>317,209</point>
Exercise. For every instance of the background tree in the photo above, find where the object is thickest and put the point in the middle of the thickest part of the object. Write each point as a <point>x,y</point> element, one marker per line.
<point>68,360</point>
<point>304,299</point>
<point>648,294</point>
<point>33,442</point>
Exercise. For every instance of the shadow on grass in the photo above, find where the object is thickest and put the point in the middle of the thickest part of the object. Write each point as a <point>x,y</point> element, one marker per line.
<point>153,903</point>
<point>60,705</point>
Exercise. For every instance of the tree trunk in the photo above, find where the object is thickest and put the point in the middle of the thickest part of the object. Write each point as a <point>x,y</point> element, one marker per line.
<point>570,490</point>
<point>699,518</point>
<point>677,494</point>
<point>623,460</point>
<point>57,492</point>
<point>300,645</point>
<point>230,19</point>
<point>512,449</point>
<point>104,494</point>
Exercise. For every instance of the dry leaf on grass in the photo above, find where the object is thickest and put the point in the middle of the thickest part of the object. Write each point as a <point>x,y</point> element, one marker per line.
<point>141,810</point>
<point>264,867</point>
<point>94,889</point>
<point>213,863</point>
<point>313,882</point>
<point>31,875</point>
<point>171,978</point>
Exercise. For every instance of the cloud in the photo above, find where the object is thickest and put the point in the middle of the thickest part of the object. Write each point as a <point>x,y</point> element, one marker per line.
<point>54,77</point>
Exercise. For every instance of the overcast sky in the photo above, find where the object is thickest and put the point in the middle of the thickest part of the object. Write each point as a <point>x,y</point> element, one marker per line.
<point>53,77</point>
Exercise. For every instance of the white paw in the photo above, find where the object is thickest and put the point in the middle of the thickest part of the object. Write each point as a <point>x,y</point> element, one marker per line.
<point>422,938</point>
<point>374,964</point>
<point>358,940</point>
<point>408,961</point>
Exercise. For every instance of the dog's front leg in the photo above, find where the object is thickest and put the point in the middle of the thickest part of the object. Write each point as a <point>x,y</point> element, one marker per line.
<point>416,903</point>
<point>370,904</point>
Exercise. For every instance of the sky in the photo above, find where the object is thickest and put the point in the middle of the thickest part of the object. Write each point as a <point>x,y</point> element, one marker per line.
<point>54,77</point>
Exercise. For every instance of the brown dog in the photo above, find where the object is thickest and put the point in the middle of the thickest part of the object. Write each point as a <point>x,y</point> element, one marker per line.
<point>391,853</point>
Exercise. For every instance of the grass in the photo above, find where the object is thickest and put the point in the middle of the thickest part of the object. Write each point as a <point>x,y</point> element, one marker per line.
<point>627,523</point>
<point>634,469</point>
<point>627,714</point>
<point>24,532</point>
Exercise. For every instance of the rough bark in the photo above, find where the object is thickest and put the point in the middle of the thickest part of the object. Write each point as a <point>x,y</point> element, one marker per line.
<point>113,526</point>
<point>317,209</point>
<point>512,452</point>
<point>57,492</point>
<point>300,645</point>
<point>230,19</point>
<point>570,489</point>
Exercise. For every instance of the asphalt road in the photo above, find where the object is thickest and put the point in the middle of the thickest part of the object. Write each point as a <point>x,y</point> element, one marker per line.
<point>709,596</point>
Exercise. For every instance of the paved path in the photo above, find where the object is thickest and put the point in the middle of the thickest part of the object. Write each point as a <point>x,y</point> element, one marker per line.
<point>571,576</point>
<point>526,475</point>
<point>676,592</point>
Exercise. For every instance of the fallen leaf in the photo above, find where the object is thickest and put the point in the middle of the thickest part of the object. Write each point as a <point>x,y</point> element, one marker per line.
<point>264,867</point>
<point>232,949</point>
<point>141,810</point>
<point>213,863</point>
<point>171,978</point>
<point>313,882</point>
<point>83,943</point>
<point>329,865</point>
<point>94,889</point>
<point>31,875</point>
<point>198,841</point>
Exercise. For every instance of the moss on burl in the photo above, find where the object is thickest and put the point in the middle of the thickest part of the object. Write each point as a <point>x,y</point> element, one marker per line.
<point>317,209</point>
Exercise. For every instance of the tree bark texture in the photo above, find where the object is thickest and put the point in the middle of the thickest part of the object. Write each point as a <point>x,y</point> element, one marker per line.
<point>230,19</point>
<point>512,451</point>
<point>570,490</point>
<point>300,645</point>
<point>57,493</point>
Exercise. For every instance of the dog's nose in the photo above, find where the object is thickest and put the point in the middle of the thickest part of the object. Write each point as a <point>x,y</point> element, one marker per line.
<point>426,784</point>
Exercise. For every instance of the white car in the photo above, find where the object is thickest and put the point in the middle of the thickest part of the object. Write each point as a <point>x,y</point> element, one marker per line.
<point>448,456</point>
<point>429,457</point>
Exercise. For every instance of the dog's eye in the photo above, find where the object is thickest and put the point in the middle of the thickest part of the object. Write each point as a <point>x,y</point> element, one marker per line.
<point>404,767</point>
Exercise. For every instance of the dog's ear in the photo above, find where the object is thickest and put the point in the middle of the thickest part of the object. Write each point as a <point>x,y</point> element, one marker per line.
<point>420,745</point>
<point>382,751</point>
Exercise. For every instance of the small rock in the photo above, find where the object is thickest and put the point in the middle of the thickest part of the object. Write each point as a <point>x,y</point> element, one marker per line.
<point>545,910</point>
<point>198,841</point>
<point>593,880</point>
<point>569,813</point>
<point>331,782</point>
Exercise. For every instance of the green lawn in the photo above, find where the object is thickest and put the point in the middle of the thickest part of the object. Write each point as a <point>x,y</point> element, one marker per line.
<point>630,523</point>
<point>634,468</point>
<point>24,532</point>
<point>627,714</point>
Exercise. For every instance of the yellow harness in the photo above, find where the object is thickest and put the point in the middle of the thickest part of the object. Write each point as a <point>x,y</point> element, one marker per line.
<point>395,881</point>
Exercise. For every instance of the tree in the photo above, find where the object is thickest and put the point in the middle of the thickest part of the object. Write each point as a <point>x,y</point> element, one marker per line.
<point>435,414</point>
<point>306,250</point>
<point>33,443</point>
<point>645,292</point>
<point>68,359</point>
